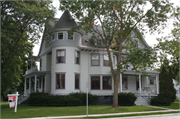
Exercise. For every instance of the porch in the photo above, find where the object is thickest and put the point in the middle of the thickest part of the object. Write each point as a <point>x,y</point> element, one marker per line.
<point>131,81</point>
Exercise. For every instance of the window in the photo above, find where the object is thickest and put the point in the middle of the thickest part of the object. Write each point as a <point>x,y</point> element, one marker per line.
<point>77,57</point>
<point>151,80</point>
<point>60,56</point>
<point>39,83</point>
<point>60,36</point>
<point>99,43</point>
<point>70,36</point>
<point>52,37</point>
<point>107,83</point>
<point>106,60</point>
<point>77,81</point>
<point>40,65</point>
<point>95,82</point>
<point>124,83</point>
<point>95,59</point>
<point>60,81</point>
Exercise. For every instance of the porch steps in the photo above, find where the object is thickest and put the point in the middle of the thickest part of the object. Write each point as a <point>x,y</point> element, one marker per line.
<point>141,100</point>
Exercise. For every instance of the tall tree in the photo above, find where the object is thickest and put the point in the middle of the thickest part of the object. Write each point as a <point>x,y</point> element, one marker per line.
<point>169,45</point>
<point>117,20</point>
<point>21,25</point>
<point>165,81</point>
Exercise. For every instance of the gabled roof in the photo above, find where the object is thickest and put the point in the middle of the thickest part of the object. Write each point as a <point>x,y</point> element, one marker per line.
<point>65,21</point>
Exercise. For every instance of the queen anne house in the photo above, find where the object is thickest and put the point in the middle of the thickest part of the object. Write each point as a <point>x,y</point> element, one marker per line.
<point>71,63</point>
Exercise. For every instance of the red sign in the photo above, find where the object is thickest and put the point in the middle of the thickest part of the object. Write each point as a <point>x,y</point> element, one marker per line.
<point>12,98</point>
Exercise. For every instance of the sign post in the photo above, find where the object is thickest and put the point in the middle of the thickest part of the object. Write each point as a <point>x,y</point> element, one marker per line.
<point>13,100</point>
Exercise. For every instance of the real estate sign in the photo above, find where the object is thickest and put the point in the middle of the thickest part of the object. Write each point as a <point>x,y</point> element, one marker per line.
<point>13,99</point>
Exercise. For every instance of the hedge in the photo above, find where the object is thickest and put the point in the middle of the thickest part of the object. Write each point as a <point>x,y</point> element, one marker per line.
<point>126,99</point>
<point>73,99</point>
<point>160,101</point>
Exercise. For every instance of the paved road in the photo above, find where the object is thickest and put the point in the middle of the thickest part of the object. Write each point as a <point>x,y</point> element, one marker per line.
<point>162,116</point>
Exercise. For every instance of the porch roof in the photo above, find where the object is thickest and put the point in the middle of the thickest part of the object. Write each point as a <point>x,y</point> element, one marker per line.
<point>149,72</point>
<point>33,73</point>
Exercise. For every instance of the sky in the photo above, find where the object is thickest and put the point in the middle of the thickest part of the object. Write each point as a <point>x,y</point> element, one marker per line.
<point>150,38</point>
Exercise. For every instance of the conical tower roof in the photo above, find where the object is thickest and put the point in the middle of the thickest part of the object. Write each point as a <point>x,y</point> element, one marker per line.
<point>66,21</point>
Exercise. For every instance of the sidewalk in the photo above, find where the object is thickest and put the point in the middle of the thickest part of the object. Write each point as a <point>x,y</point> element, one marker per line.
<point>110,114</point>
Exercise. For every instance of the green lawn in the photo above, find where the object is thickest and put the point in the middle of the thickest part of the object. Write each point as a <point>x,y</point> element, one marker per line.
<point>174,105</point>
<point>25,111</point>
<point>2,102</point>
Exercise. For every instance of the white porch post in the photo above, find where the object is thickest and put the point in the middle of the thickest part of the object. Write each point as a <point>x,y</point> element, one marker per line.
<point>139,83</point>
<point>29,85</point>
<point>157,85</point>
<point>35,83</point>
<point>45,84</point>
<point>25,86</point>
<point>147,81</point>
<point>120,82</point>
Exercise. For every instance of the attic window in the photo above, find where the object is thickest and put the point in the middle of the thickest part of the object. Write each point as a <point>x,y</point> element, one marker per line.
<point>60,36</point>
<point>70,36</point>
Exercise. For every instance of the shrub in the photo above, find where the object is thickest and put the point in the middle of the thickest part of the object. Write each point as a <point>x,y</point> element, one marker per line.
<point>160,101</point>
<point>126,99</point>
<point>73,99</point>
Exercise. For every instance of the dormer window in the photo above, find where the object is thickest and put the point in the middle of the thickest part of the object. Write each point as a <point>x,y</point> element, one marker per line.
<point>60,36</point>
<point>70,36</point>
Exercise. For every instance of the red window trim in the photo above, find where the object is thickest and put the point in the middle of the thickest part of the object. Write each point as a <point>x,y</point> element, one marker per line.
<point>77,79</point>
<point>92,81</point>
<point>98,60</point>
<point>103,82</point>
<point>64,55</point>
<point>60,80</point>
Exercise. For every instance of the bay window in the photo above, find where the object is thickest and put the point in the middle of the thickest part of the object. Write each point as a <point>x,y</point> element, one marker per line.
<point>60,56</point>
<point>77,57</point>
<point>107,82</point>
<point>60,81</point>
<point>106,60</point>
<point>95,59</point>
<point>95,82</point>
<point>77,81</point>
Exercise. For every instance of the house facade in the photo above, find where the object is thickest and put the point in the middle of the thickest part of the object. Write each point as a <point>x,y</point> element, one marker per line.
<point>71,63</point>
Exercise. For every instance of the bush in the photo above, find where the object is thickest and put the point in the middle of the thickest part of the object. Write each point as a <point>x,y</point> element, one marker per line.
<point>126,99</point>
<point>73,99</point>
<point>160,101</point>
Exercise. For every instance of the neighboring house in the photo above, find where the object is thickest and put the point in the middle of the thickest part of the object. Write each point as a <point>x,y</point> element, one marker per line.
<point>72,63</point>
<point>177,88</point>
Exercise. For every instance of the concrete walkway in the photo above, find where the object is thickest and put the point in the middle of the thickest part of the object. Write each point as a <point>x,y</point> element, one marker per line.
<point>110,114</point>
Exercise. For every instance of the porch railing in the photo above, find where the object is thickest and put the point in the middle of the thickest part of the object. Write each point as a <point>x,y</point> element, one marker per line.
<point>31,70</point>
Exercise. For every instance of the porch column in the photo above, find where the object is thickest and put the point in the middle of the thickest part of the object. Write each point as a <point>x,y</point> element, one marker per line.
<point>29,85</point>
<point>120,82</point>
<point>139,83</point>
<point>45,84</point>
<point>147,81</point>
<point>35,83</point>
<point>25,86</point>
<point>157,84</point>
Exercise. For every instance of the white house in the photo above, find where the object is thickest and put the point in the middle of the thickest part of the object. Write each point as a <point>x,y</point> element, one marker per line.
<point>177,87</point>
<point>71,63</point>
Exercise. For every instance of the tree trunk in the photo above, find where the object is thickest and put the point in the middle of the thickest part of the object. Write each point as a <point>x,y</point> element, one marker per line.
<point>115,99</point>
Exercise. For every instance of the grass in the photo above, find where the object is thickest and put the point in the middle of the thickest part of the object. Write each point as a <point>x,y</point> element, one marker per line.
<point>2,102</point>
<point>25,111</point>
<point>128,115</point>
<point>174,105</point>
